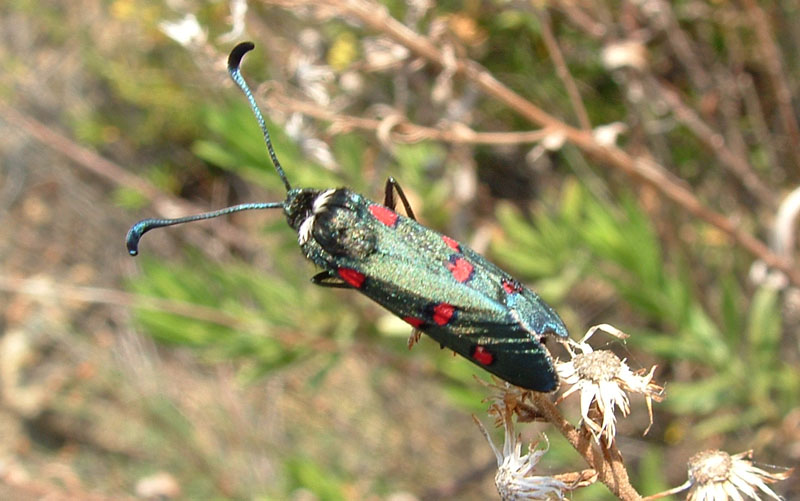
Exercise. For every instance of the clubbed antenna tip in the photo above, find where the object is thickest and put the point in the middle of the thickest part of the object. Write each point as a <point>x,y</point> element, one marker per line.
<point>238,52</point>
<point>139,229</point>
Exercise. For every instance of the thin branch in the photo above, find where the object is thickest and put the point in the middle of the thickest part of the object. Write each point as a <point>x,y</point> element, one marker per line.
<point>23,487</point>
<point>377,17</point>
<point>669,492</point>
<point>608,464</point>
<point>51,290</point>
<point>561,68</point>
<point>582,20</point>
<point>754,113</point>
<point>715,142</point>
<point>163,204</point>
<point>663,18</point>
<point>771,58</point>
<point>404,131</point>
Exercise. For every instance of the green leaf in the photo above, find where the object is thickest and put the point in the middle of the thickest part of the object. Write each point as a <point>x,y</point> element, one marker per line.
<point>307,474</point>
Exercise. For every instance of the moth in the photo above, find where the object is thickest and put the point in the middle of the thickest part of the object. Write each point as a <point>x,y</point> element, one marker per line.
<point>436,284</point>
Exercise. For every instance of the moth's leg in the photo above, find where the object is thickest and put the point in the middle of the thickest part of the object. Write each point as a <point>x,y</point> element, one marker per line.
<point>414,338</point>
<point>391,186</point>
<point>328,279</point>
<point>388,201</point>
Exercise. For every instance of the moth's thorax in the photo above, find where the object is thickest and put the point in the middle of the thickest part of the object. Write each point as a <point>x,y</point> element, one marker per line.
<point>331,224</point>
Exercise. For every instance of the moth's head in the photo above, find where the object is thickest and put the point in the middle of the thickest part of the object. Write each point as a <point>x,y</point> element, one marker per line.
<point>299,205</point>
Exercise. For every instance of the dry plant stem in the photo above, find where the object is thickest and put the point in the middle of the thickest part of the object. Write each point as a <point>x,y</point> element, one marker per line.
<point>34,488</point>
<point>756,113</point>
<point>746,90</point>
<point>405,131</point>
<point>771,58</point>
<point>576,477</point>
<point>561,68</point>
<point>582,20</point>
<point>164,205</point>
<point>664,15</point>
<point>608,462</point>
<point>670,492</point>
<point>714,141</point>
<point>51,290</point>
<point>642,169</point>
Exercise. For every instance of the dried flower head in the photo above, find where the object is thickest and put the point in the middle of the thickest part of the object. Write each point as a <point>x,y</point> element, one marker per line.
<point>514,479</point>
<point>716,475</point>
<point>382,54</point>
<point>604,382</point>
<point>312,78</point>
<point>315,148</point>
<point>186,31</point>
<point>237,18</point>
<point>508,399</point>
<point>626,53</point>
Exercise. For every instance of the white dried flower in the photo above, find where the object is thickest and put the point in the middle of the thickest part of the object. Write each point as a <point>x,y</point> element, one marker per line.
<point>238,13</point>
<point>604,381</point>
<point>313,79</point>
<point>514,479</point>
<point>626,53</point>
<point>186,32</point>
<point>311,146</point>
<point>552,141</point>
<point>716,475</point>
<point>381,53</point>
<point>607,134</point>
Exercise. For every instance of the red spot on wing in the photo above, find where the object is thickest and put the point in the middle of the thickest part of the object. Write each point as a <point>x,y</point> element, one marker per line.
<point>384,214</point>
<point>413,321</point>
<point>442,313</point>
<point>352,277</point>
<point>511,286</point>
<point>451,243</point>
<point>460,268</point>
<point>482,355</point>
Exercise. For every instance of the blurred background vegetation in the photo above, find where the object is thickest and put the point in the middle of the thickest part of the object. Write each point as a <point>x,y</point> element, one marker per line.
<point>210,368</point>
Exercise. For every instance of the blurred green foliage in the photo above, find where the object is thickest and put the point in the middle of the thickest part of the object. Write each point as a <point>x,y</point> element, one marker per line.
<point>740,378</point>
<point>719,342</point>
<point>735,349</point>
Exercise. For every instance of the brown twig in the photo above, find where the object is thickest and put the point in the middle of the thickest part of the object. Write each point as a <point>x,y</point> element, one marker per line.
<point>642,169</point>
<point>582,20</point>
<point>577,478</point>
<point>403,131</point>
<point>771,58</point>
<point>754,113</point>
<point>663,18</point>
<point>45,288</point>
<point>608,463</point>
<point>561,68</point>
<point>715,142</point>
<point>22,487</point>
<point>163,204</point>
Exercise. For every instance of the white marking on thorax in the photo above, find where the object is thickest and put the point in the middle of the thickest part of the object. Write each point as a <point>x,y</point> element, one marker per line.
<point>317,207</point>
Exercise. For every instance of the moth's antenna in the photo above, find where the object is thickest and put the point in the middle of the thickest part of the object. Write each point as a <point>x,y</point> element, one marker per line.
<point>234,60</point>
<point>145,225</point>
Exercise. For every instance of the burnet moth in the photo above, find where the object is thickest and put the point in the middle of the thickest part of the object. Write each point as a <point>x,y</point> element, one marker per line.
<point>436,284</point>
